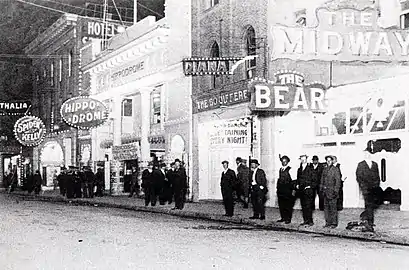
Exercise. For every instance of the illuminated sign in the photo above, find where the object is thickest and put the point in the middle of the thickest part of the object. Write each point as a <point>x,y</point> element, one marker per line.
<point>343,35</point>
<point>96,29</point>
<point>210,102</point>
<point>209,66</point>
<point>14,107</point>
<point>29,130</point>
<point>287,93</point>
<point>84,112</point>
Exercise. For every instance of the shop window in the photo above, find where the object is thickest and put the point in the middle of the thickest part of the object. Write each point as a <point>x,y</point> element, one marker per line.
<point>251,50</point>
<point>356,120</point>
<point>388,145</point>
<point>127,107</point>
<point>156,105</point>
<point>339,123</point>
<point>383,170</point>
<point>216,79</point>
<point>389,119</point>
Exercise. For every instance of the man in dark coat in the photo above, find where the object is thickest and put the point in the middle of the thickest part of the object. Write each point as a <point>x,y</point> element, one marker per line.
<point>79,181</point>
<point>37,182</point>
<point>100,182</point>
<point>316,173</point>
<point>179,185</point>
<point>306,187</point>
<point>367,176</point>
<point>227,184</point>
<point>170,181</point>
<point>163,184</point>
<point>243,173</point>
<point>61,179</point>
<point>329,186</point>
<point>340,201</point>
<point>258,183</point>
<point>90,182</point>
<point>285,191</point>
<point>148,185</point>
<point>70,183</point>
<point>134,182</point>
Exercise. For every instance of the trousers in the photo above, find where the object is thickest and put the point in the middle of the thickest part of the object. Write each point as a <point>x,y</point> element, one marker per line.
<point>330,211</point>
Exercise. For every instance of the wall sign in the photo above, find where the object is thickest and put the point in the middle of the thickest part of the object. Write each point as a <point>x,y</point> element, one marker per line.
<point>94,29</point>
<point>128,151</point>
<point>209,66</point>
<point>287,93</point>
<point>84,112</point>
<point>345,34</point>
<point>14,107</point>
<point>230,133</point>
<point>210,102</point>
<point>29,130</point>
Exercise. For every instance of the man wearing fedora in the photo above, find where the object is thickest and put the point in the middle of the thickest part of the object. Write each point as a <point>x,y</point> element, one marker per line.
<point>242,181</point>
<point>329,186</point>
<point>316,173</point>
<point>367,176</point>
<point>227,184</point>
<point>306,189</point>
<point>285,191</point>
<point>258,190</point>
<point>179,185</point>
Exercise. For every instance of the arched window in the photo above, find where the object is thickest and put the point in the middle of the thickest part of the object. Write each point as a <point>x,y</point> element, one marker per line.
<point>215,52</point>
<point>251,50</point>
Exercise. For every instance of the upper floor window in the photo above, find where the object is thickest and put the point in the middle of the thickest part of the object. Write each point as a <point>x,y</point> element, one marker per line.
<point>156,105</point>
<point>52,73</point>
<point>70,63</point>
<point>215,52</point>
<point>60,71</point>
<point>127,107</point>
<point>251,50</point>
<point>404,21</point>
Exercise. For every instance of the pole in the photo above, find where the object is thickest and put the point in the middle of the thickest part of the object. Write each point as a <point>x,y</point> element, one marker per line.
<point>135,11</point>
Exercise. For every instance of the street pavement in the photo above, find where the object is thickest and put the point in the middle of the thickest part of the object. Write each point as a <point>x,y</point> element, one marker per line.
<point>391,226</point>
<point>44,235</point>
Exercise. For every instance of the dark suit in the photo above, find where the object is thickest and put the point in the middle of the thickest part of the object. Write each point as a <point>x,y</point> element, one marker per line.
<point>243,173</point>
<point>179,187</point>
<point>329,186</point>
<point>306,187</point>
<point>258,192</point>
<point>369,181</point>
<point>340,201</point>
<point>316,176</point>
<point>165,189</point>
<point>285,188</point>
<point>148,187</point>
<point>227,184</point>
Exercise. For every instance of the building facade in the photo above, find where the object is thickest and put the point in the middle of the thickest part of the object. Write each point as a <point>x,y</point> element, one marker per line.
<point>139,77</point>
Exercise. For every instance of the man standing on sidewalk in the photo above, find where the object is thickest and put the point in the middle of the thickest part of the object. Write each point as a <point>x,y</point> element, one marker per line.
<point>285,191</point>
<point>242,181</point>
<point>306,187</point>
<point>367,176</point>
<point>227,184</point>
<point>340,202</point>
<point>148,185</point>
<point>317,169</point>
<point>329,186</point>
<point>180,185</point>
<point>258,190</point>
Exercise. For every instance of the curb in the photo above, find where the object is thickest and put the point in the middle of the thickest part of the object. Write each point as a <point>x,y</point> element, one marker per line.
<point>272,226</point>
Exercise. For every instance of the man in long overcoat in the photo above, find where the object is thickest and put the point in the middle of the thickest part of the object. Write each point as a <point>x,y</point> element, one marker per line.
<point>286,191</point>
<point>306,187</point>
<point>243,173</point>
<point>259,190</point>
<point>148,185</point>
<point>37,182</point>
<point>329,186</point>
<point>316,173</point>
<point>227,184</point>
<point>367,176</point>
<point>179,185</point>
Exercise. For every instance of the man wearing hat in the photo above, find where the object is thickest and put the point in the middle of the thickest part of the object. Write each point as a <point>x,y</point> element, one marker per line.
<point>367,176</point>
<point>340,202</point>
<point>242,181</point>
<point>286,191</point>
<point>258,190</point>
<point>227,184</point>
<point>316,173</point>
<point>306,189</point>
<point>329,187</point>
<point>61,179</point>
<point>179,185</point>
<point>148,185</point>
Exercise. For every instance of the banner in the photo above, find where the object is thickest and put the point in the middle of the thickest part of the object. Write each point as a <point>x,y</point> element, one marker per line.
<point>128,151</point>
<point>210,102</point>
<point>231,133</point>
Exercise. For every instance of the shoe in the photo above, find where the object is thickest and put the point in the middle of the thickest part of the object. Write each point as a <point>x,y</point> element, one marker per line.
<point>228,215</point>
<point>368,229</point>
<point>333,226</point>
<point>254,217</point>
<point>309,224</point>
<point>287,222</point>
<point>280,220</point>
<point>174,208</point>
<point>262,218</point>
<point>304,223</point>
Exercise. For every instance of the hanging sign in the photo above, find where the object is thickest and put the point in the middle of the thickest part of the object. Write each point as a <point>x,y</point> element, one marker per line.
<point>29,130</point>
<point>14,107</point>
<point>84,112</point>
<point>344,34</point>
<point>209,66</point>
<point>287,93</point>
<point>126,151</point>
<point>213,101</point>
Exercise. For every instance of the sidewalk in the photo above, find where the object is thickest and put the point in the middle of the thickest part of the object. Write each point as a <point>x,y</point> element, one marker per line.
<point>391,226</point>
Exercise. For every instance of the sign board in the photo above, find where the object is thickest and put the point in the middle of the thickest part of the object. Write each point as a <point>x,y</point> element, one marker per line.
<point>95,29</point>
<point>128,151</point>
<point>287,93</point>
<point>29,130</point>
<point>230,133</point>
<point>84,112</point>
<point>14,107</point>
<point>209,66</point>
<point>210,102</point>
<point>344,34</point>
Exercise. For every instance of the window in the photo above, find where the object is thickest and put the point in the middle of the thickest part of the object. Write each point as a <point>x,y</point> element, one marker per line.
<point>215,52</point>
<point>251,50</point>
<point>404,21</point>
<point>52,73</point>
<point>127,107</point>
<point>69,63</point>
<point>156,105</point>
<point>60,71</point>
<point>356,121</point>
<point>213,2</point>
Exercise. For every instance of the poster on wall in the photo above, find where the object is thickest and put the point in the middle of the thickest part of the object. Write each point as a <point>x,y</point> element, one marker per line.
<point>29,130</point>
<point>84,112</point>
<point>230,133</point>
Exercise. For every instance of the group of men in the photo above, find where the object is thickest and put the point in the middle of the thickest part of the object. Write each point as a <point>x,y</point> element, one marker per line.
<point>310,179</point>
<point>165,183</point>
<point>81,183</point>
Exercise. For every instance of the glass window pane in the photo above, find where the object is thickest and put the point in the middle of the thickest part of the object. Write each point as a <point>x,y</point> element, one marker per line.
<point>356,120</point>
<point>339,123</point>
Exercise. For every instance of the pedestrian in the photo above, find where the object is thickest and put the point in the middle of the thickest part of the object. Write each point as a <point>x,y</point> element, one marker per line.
<point>61,180</point>
<point>162,184</point>
<point>306,185</point>
<point>243,173</point>
<point>134,182</point>
<point>55,180</point>
<point>148,185</point>
<point>286,190</point>
<point>79,181</point>
<point>227,185</point>
<point>100,182</point>
<point>13,179</point>
<point>37,182</point>
<point>179,185</point>
<point>70,182</point>
<point>316,174</point>
<point>367,176</point>
<point>329,186</point>
<point>30,182</point>
<point>258,190</point>
<point>170,176</point>
<point>340,201</point>
<point>90,182</point>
